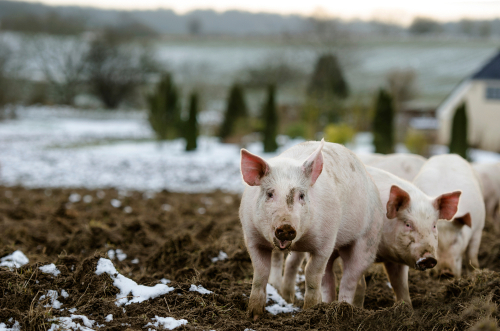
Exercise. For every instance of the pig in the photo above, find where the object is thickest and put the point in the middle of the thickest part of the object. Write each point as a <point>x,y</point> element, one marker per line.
<point>402,165</point>
<point>369,158</point>
<point>315,197</point>
<point>409,235</point>
<point>489,175</point>
<point>450,172</point>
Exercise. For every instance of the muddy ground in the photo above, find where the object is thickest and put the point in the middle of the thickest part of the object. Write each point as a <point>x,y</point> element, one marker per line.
<point>174,236</point>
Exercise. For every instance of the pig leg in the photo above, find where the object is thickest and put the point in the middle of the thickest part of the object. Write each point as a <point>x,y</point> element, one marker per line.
<point>398,276</point>
<point>328,288</point>
<point>314,272</point>
<point>292,265</point>
<point>473,250</point>
<point>261,261</point>
<point>359,296</point>
<point>357,257</point>
<point>276,269</point>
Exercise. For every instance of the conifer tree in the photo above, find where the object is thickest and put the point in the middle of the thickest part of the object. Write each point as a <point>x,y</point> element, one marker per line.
<point>458,141</point>
<point>235,109</point>
<point>164,110</point>
<point>383,123</point>
<point>328,79</point>
<point>191,127</point>
<point>270,117</point>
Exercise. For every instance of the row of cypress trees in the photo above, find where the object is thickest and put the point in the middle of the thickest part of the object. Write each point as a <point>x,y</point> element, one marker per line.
<point>165,119</point>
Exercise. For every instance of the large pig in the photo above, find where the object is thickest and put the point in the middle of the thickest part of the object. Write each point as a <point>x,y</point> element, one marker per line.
<point>489,175</point>
<point>315,197</point>
<point>402,165</point>
<point>450,172</point>
<point>409,233</point>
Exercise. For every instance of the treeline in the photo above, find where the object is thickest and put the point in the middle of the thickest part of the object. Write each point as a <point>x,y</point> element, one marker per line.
<point>34,18</point>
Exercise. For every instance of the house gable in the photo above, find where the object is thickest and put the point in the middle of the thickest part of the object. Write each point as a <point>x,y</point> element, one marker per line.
<point>490,71</point>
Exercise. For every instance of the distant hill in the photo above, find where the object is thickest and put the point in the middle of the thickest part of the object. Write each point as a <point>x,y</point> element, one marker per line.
<point>36,17</point>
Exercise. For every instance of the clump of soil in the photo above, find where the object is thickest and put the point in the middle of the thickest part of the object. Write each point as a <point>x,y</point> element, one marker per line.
<point>175,236</point>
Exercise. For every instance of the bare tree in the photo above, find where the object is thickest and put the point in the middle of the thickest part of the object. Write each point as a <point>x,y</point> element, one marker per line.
<point>62,63</point>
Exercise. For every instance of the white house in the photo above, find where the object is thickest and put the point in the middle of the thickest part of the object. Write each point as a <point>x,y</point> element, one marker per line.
<point>481,94</point>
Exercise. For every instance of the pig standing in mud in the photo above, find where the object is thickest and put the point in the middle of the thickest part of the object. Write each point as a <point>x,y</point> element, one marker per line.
<point>409,234</point>
<point>445,173</point>
<point>315,197</point>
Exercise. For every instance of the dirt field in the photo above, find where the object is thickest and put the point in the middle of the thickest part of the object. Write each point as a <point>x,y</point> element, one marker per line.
<point>174,236</point>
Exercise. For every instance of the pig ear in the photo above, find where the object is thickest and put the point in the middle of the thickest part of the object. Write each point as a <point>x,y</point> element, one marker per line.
<point>253,168</point>
<point>398,199</point>
<point>465,220</point>
<point>313,166</point>
<point>447,204</point>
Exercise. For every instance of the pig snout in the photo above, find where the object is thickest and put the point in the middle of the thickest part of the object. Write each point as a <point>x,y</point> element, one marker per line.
<point>285,234</point>
<point>426,262</point>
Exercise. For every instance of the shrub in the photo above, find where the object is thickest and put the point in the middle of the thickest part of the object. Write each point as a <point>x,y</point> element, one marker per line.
<point>458,141</point>
<point>417,143</point>
<point>191,126</point>
<point>270,117</point>
<point>296,130</point>
<point>164,110</point>
<point>338,133</point>
<point>328,79</point>
<point>383,123</point>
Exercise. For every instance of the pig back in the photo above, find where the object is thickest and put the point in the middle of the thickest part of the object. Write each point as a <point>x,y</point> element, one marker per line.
<point>450,172</point>
<point>344,187</point>
<point>405,166</point>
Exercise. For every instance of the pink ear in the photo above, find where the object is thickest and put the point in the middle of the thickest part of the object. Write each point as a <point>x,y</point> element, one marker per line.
<point>398,199</point>
<point>447,204</point>
<point>466,220</point>
<point>313,166</point>
<point>253,168</point>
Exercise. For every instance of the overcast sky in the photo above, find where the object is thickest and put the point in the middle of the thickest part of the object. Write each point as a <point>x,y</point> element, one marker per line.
<point>401,11</point>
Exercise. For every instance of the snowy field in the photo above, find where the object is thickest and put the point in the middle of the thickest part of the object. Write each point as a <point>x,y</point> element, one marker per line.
<point>63,147</point>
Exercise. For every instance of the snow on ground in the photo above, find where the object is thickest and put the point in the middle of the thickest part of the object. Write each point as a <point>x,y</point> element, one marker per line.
<point>199,289</point>
<point>280,305</point>
<point>50,269</point>
<point>67,323</point>
<point>221,257</point>
<point>15,327</point>
<point>127,286</point>
<point>64,147</point>
<point>169,323</point>
<point>52,295</point>
<point>14,260</point>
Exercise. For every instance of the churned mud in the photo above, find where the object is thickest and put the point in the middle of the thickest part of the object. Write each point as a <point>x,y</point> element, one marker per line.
<point>175,236</point>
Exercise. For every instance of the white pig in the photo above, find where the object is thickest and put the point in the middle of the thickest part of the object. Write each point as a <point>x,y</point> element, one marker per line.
<point>489,175</point>
<point>315,197</point>
<point>402,165</point>
<point>445,173</point>
<point>409,234</point>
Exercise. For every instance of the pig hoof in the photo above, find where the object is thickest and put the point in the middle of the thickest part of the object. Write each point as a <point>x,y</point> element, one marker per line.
<point>255,313</point>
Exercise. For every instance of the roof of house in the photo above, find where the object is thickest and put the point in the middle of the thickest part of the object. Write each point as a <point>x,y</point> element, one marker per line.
<point>490,70</point>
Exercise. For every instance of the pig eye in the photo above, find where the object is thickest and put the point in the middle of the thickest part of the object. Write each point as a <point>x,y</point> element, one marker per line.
<point>408,225</point>
<point>270,195</point>
<point>302,196</point>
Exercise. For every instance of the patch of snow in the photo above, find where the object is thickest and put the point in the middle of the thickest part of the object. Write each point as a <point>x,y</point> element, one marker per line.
<point>165,281</point>
<point>50,269</point>
<point>221,257</point>
<point>480,156</point>
<point>135,261</point>
<point>72,310</point>
<point>202,211</point>
<point>127,286</point>
<point>166,207</point>
<point>116,203</point>
<point>52,295</point>
<point>111,254</point>
<point>120,255</point>
<point>199,289</point>
<point>101,194</point>
<point>14,260</point>
<point>15,327</point>
<point>64,294</point>
<point>109,318</point>
<point>74,197</point>
<point>389,285</point>
<point>280,305</point>
<point>87,199</point>
<point>169,323</point>
<point>127,209</point>
<point>67,323</point>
